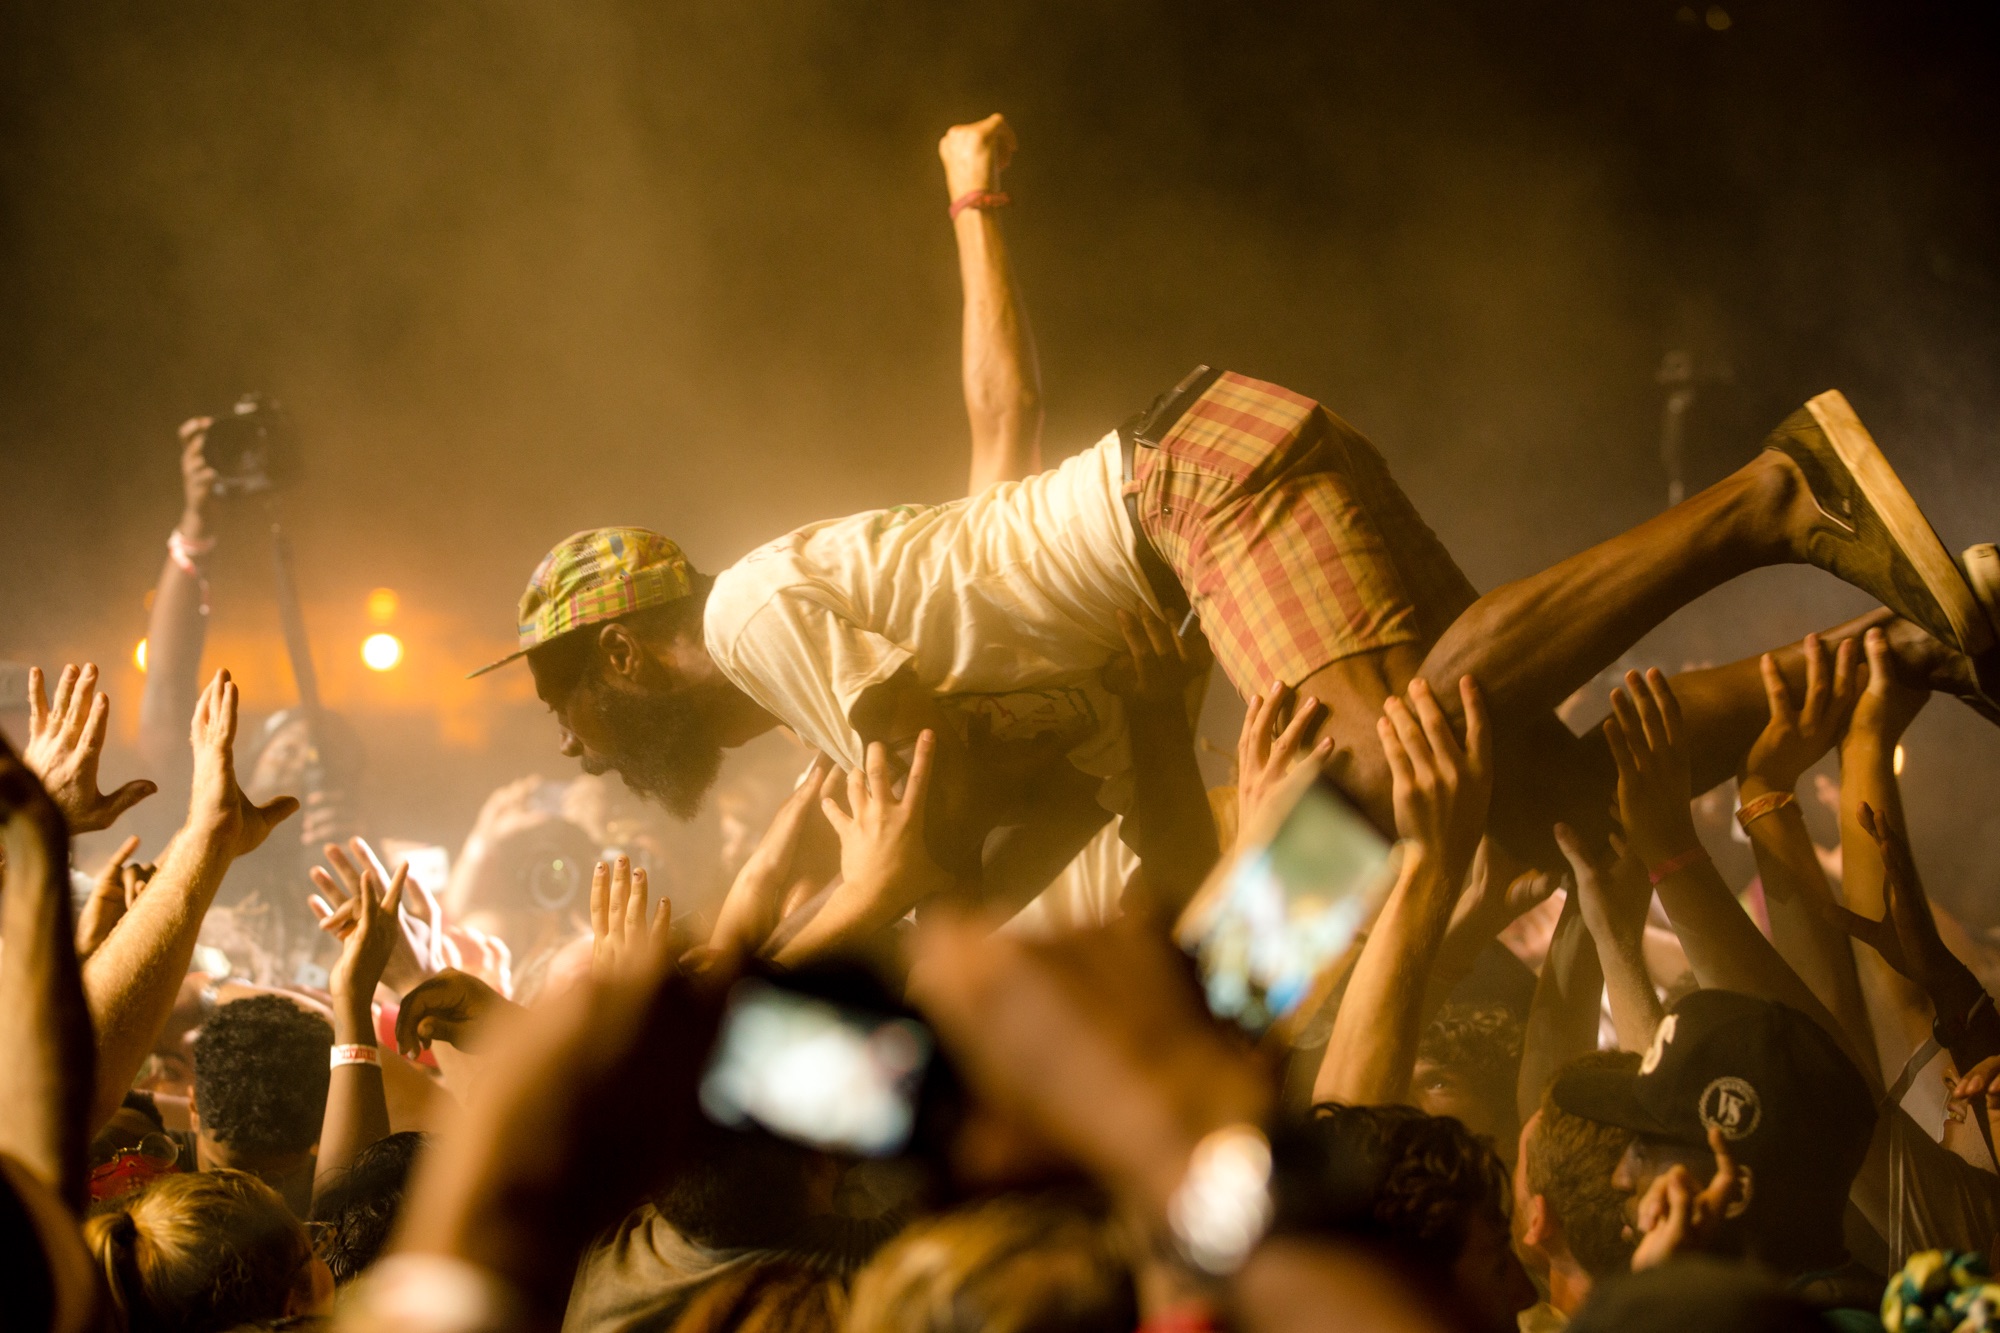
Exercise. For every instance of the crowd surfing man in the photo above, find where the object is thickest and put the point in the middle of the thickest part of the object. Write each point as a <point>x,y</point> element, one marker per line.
<point>988,623</point>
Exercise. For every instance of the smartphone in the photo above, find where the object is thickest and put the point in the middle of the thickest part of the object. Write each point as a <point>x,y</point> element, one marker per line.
<point>1272,920</point>
<point>817,1070</point>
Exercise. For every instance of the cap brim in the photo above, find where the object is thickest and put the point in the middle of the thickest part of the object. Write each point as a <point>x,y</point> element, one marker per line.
<point>1610,1097</point>
<point>495,666</point>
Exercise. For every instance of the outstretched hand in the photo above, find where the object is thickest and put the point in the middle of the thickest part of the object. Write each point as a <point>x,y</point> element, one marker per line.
<point>1158,665</point>
<point>756,899</point>
<point>65,745</point>
<point>619,928</point>
<point>882,851</point>
<point>1277,736</point>
<point>1655,779</point>
<point>1441,788</point>
<point>218,807</point>
<point>365,950</point>
<point>452,1007</point>
<point>1674,1216</point>
<point>1799,733</point>
<point>1613,892</point>
<point>418,947</point>
<point>1887,705</point>
<point>117,887</point>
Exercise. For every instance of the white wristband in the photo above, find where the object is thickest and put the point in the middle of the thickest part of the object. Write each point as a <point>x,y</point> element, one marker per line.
<point>1222,1207</point>
<point>354,1054</point>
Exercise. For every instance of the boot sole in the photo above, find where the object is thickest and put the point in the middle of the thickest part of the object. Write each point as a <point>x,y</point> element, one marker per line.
<point>1904,522</point>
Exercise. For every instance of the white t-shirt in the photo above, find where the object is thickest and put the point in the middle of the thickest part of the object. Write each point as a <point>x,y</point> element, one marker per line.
<point>1004,603</point>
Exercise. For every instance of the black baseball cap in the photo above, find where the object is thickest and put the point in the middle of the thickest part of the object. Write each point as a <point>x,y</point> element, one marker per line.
<point>1779,1088</point>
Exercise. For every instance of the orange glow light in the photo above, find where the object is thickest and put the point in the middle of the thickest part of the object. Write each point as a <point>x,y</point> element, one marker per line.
<point>139,655</point>
<point>382,605</point>
<point>381,652</point>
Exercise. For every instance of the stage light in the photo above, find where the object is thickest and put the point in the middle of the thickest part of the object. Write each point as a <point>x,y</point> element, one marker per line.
<point>139,655</point>
<point>1718,19</point>
<point>1897,762</point>
<point>381,651</point>
<point>382,604</point>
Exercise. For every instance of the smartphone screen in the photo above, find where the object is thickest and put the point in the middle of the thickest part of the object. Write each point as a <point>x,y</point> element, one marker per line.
<point>1282,909</point>
<point>816,1072</point>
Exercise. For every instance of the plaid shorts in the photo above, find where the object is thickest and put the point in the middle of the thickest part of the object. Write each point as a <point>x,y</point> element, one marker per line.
<point>1295,545</point>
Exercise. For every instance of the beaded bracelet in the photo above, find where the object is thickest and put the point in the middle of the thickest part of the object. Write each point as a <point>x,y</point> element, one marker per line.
<point>1768,803</point>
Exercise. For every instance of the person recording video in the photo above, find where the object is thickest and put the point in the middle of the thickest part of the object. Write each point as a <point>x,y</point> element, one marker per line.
<point>305,750</point>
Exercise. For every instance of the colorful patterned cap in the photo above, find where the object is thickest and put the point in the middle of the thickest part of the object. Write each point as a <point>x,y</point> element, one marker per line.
<point>595,576</point>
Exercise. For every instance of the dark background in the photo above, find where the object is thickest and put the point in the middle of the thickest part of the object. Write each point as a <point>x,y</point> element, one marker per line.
<point>522,268</point>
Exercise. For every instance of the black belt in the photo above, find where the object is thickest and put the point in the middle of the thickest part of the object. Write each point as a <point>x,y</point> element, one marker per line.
<point>1146,431</point>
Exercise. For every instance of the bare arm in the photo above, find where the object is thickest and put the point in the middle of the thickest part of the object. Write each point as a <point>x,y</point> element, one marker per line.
<point>1795,888</point>
<point>132,979</point>
<point>1440,793</point>
<point>1614,898</point>
<point>179,623</point>
<point>1170,827</point>
<point>1724,947</point>
<point>1562,1017</point>
<point>357,1104</point>
<point>46,1059</point>
<point>1002,379</point>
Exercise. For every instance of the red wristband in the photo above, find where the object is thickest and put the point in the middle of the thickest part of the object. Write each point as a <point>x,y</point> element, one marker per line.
<point>1673,865</point>
<point>979,199</point>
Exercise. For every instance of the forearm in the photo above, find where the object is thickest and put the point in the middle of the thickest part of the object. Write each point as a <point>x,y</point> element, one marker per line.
<point>1002,380</point>
<point>46,1078</point>
<point>1728,952</point>
<point>1901,1009</point>
<point>1170,827</point>
<point>1796,895</point>
<point>1372,1050</point>
<point>131,981</point>
<point>853,915</point>
<point>174,637</point>
<point>357,1105</point>
<point>1563,1016</point>
<point>1621,959</point>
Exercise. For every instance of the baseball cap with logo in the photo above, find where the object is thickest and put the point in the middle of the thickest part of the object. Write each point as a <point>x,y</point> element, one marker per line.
<point>1784,1095</point>
<point>595,576</point>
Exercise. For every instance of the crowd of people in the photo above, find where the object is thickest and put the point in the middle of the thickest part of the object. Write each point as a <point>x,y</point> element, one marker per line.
<point>1572,1069</point>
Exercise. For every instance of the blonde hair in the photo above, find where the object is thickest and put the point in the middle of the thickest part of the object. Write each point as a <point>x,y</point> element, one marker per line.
<point>199,1252</point>
<point>1015,1263</point>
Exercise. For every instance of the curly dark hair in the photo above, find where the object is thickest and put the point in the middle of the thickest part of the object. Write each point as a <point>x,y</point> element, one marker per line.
<point>260,1075</point>
<point>1483,1042</point>
<point>1423,1179</point>
<point>354,1213</point>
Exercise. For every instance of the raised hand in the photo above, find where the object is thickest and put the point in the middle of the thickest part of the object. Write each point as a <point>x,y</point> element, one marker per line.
<point>620,932</point>
<point>1888,704</point>
<point>418,949</point>
<point>975,154</point>
<point>1440,788</point>
<point>1655,784</point>
<point>1798,734</point>
<point>1613,893</point>
<point>882,848</point>
<point>1158,665</point>
<point>197,478</point>
<point>1276,738</point>
<point>117,887</point>
<point>218,807</point>
<point>364,953</point>
<point>756,899</point>
<point>65,745</point>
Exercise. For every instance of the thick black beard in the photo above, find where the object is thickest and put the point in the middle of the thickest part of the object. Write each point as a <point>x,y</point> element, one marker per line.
<point>668,749</point>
